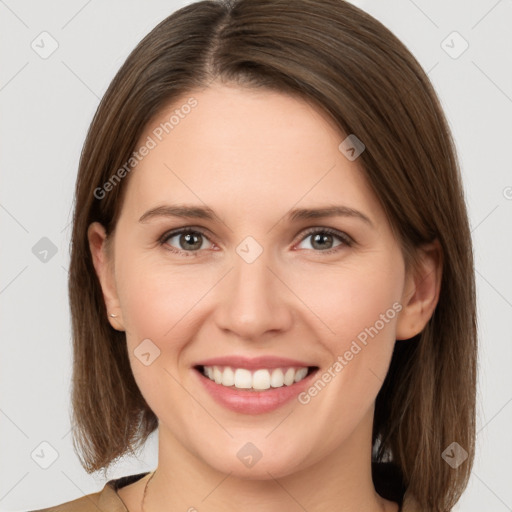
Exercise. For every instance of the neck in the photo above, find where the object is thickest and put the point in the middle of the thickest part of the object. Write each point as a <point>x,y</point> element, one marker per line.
<point>339,481</point>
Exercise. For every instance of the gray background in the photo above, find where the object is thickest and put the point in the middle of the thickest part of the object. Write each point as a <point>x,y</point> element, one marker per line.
<point>46,107</point>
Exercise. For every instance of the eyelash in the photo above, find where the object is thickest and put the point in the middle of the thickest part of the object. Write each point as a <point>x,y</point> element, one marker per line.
<point>343,237</point>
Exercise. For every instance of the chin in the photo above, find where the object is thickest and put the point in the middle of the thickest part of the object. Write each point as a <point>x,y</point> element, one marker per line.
<point>252,463</point>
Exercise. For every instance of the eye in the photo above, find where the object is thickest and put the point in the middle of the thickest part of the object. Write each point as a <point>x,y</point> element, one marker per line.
<point>322,239</point>
<point>189,241</point>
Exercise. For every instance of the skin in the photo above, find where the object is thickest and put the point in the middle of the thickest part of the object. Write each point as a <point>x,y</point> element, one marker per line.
<point>252,156</point>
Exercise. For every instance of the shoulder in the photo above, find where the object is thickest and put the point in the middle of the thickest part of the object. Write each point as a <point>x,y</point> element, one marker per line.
<point>88,503</point>
<point>106,500</point>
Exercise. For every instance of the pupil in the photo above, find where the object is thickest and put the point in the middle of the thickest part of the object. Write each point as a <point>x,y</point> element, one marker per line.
<point>320,236</point>
<point>189,237</point>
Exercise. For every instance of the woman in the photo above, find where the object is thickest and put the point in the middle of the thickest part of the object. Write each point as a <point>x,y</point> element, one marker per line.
<point>271,262</point>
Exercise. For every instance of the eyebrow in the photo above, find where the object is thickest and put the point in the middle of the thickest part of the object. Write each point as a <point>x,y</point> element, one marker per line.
<point>199,212</point>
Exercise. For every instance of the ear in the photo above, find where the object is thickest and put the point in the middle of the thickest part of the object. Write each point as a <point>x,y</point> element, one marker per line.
<point>421,292</point>
<point>104,266</point>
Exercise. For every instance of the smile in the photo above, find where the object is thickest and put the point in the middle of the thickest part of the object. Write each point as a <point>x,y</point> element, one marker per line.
<point>259,379</point>
<point>254,391</point>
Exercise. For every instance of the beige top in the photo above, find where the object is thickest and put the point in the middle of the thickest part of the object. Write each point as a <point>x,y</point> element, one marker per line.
<point>107,500</point>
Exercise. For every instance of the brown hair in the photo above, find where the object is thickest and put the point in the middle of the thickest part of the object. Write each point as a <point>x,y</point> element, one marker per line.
<point>339,58</point>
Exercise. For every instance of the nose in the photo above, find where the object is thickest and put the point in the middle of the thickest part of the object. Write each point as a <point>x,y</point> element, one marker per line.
<point>254,301</point>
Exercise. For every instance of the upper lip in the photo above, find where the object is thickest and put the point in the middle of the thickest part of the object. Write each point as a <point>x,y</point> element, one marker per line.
<point>253,362</point>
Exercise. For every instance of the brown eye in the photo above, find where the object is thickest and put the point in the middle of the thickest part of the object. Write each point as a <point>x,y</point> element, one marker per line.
<point>324,239</point>
<point>187,241</point>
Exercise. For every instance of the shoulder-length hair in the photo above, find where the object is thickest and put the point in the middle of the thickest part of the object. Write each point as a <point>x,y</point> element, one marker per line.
<point>348,64</point>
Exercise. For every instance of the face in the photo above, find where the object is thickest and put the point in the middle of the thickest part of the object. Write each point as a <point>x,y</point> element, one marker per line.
<point>254,287</point>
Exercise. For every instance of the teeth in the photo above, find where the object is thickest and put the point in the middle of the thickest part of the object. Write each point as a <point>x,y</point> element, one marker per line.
<point>261,379</point>
<point>217,375</point>
<point>228,377</point>
<point>277,378</point>
<point>300,374</point>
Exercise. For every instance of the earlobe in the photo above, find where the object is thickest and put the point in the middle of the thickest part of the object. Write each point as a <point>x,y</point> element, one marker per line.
<point>421,292</point>
<point>103,266</point>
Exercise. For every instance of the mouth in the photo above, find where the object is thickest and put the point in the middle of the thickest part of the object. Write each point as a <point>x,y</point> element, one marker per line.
<point>253,385</point>
<point>255,379</point>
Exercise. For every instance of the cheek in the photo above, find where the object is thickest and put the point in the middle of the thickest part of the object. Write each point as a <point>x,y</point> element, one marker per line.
<point>348,299</point>
<point>155,297</point>
<point>358,309</point>
<point>361,308</point>
<point>155,300</point>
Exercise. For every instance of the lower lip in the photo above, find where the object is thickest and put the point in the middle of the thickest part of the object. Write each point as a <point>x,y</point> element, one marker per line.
<point>253,402</point>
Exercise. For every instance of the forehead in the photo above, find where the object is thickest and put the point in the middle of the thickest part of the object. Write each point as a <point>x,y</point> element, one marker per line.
<point>253,150</point>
